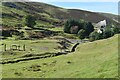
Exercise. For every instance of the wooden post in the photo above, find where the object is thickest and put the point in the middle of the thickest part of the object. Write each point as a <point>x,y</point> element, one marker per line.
<point>19,47</point>
<point>24,47</point>
<point>5,47</point>
<point>10,47</point>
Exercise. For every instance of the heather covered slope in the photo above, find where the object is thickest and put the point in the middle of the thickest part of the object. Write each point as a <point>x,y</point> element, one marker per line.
<point>13,14</point>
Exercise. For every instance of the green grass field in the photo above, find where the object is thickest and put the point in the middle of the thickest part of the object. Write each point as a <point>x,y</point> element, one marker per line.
<point>98,59</point>
<point>32,46</point>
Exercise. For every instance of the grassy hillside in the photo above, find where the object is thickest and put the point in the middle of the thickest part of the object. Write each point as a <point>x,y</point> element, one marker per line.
<point>97,59</point>
<point>13,14</point>
<point>42,57</point>
<point>49,19</point>
<point>111,16</point>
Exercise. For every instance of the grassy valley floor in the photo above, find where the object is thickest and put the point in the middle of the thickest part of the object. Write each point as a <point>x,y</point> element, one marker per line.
<point>98,59</point>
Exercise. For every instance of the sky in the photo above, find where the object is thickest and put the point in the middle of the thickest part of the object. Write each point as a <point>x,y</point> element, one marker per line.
<point>105,6</point>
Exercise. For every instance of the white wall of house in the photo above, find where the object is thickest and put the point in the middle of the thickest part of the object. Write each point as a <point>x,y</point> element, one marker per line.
<point>99,31</point>
<point>100,24</point>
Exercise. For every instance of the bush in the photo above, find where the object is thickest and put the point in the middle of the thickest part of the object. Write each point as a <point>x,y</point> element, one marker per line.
<point>108,32</point>
<point>30,21</point>
<point>116,30</point>
<point>73,26</point>
<point>88,27</point>
<point>67,27</point>
<point>81,34</point>
<point>71,23</point>
<point>95,36</point>
<point>6,33</point>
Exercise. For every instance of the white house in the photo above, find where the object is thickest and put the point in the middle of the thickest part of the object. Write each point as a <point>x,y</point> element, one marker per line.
<point>100,26</point>
<point>99,31</point>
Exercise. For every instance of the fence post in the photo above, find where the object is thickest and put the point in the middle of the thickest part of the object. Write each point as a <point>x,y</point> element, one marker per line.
<point>24,47</point>
<point>19,47</point>
<point>5,47</point>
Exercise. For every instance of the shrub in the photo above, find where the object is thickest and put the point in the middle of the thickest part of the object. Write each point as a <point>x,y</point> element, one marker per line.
<point>108,32</point>
<point>6,33</point>
<point>95,36</point>
<point>73,26</point>
<point>66,27</point>
<point>71,23</point>
<point>116,30</point>
<point>30,21</point>
<point>88,27</point>
<point>81,34</point>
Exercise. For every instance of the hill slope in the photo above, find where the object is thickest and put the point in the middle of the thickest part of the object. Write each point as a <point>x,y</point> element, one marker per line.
<point>13,14</point>
<point>111,16</point>
<point>97,59</point>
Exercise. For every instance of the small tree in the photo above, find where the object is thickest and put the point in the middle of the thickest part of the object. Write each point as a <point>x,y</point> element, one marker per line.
<point>95,36</point>
<point>72,23</point>
<point>67,27</point>
<point>30,21</point>
<point>81,34</point>
<point>108,32</point>
<point>88,27</point>
<point>116,30</point>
